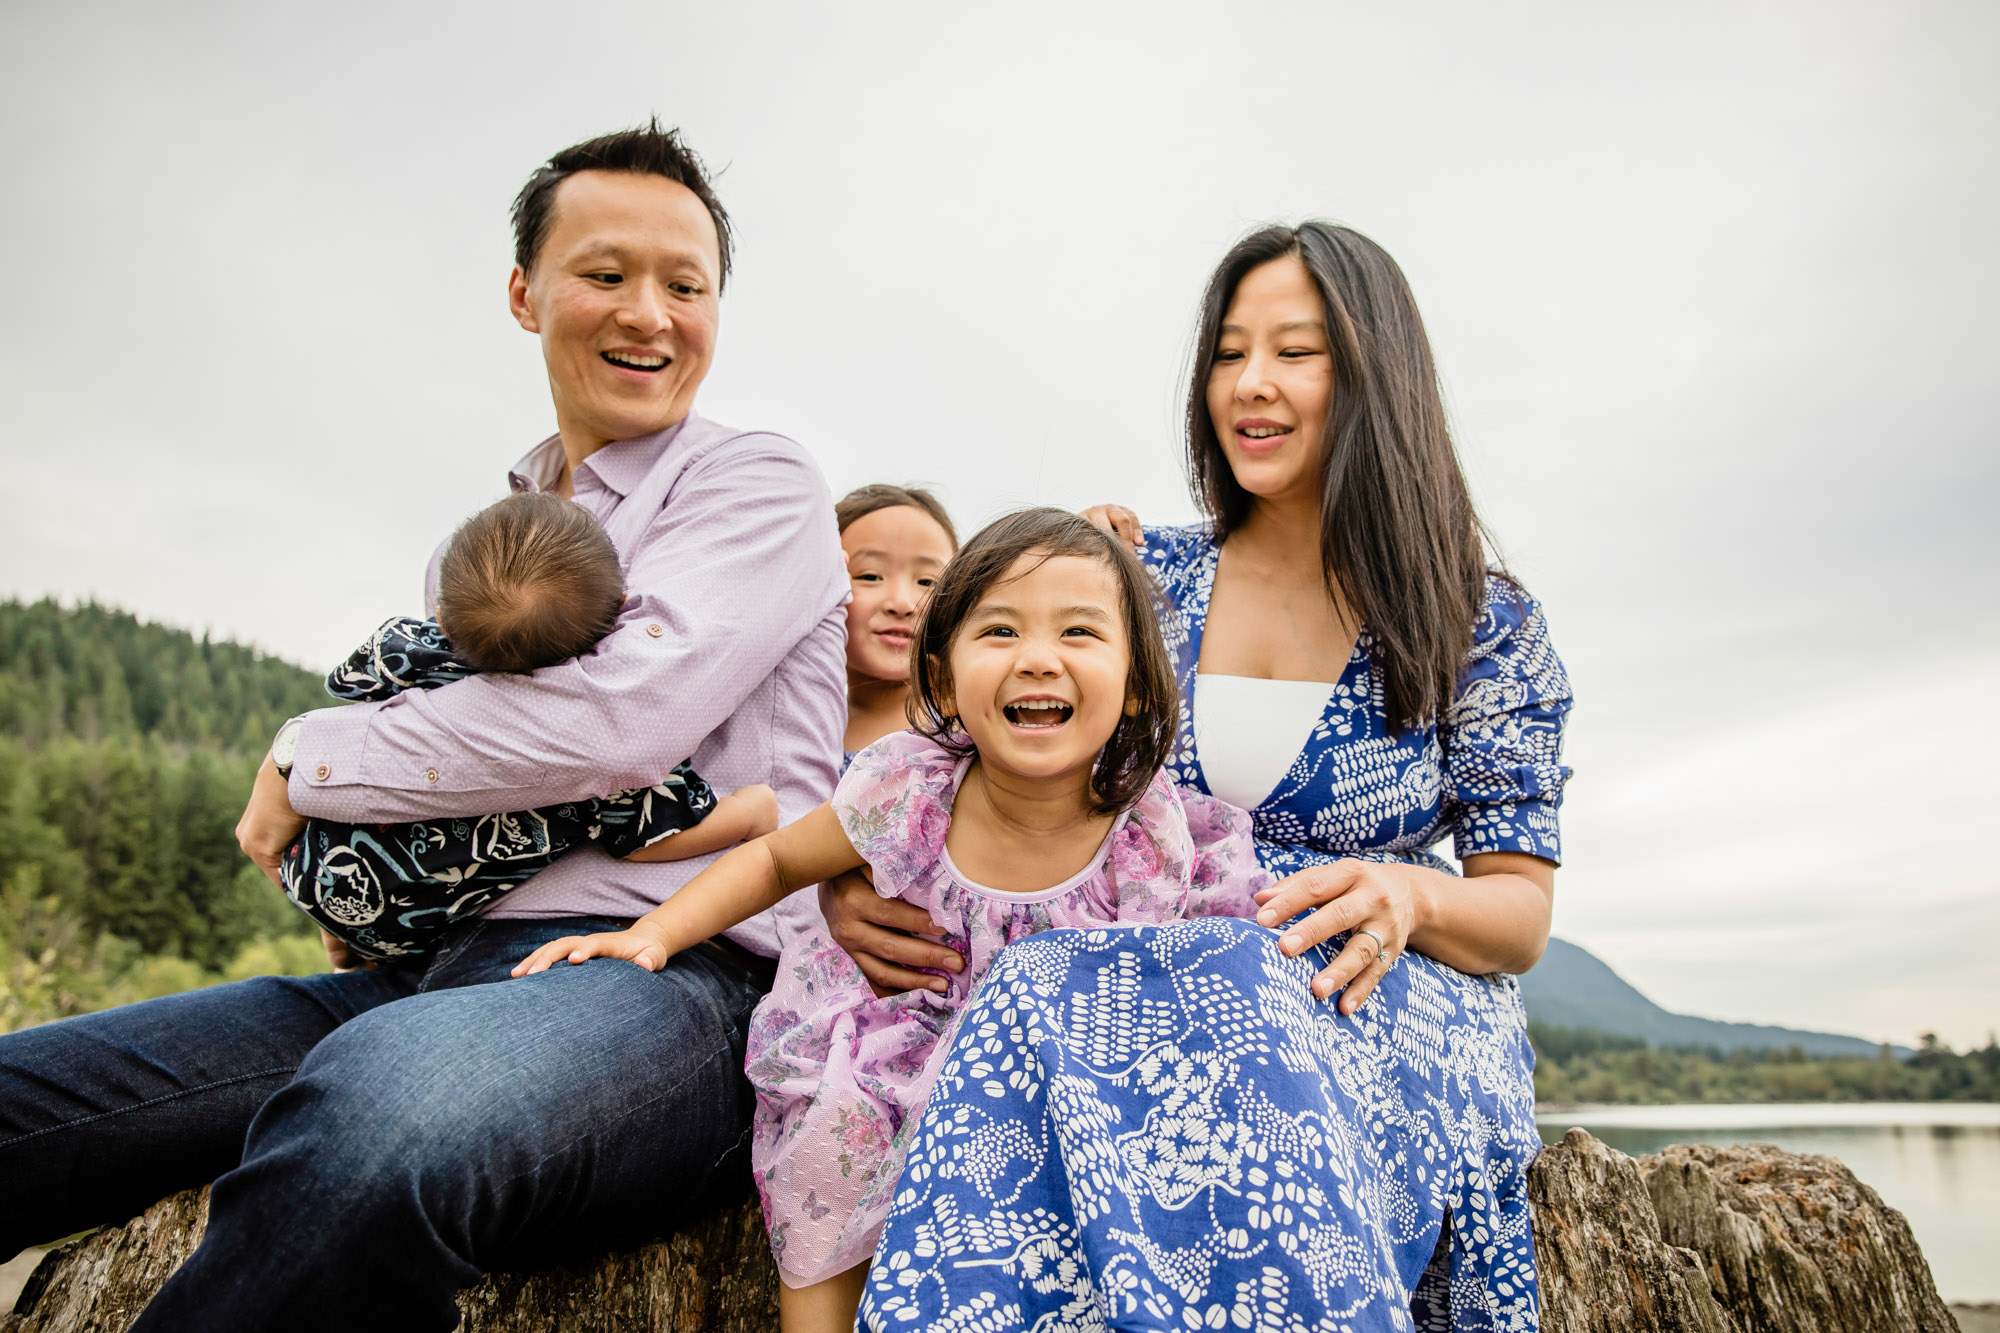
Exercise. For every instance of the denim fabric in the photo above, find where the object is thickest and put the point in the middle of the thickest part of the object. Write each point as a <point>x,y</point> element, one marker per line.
<point>380,1139</point>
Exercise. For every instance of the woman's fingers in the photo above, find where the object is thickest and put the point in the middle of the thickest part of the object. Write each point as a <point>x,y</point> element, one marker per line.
<point>1308,889</point>
<point>1363,986</point>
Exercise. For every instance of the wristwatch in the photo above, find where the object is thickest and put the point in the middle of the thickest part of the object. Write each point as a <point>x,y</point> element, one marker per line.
<point>285,744</point>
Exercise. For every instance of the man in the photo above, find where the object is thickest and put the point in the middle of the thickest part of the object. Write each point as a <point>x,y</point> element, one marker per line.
<point>379,1138</point>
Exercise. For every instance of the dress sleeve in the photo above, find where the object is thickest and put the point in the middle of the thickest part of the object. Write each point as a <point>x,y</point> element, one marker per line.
<point>894,804</point>
<point>1226,873</point>
<point>1502,735</point>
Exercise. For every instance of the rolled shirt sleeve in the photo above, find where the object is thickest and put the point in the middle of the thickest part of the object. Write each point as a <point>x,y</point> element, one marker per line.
<point>714,602</point>
<point>1502,735</point>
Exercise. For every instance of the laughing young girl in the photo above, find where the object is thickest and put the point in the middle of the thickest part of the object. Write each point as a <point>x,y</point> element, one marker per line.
<point>1030,798</point>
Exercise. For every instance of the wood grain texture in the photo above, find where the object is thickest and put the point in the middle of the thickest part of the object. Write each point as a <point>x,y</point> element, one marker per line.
<point>1794,1242</point>
<point>1692,1240</point>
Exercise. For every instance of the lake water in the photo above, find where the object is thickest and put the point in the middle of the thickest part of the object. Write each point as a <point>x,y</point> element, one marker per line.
<point>1938,1163</point>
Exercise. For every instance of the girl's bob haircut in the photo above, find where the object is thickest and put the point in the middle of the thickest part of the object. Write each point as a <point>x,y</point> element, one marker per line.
<point>1143,740</point>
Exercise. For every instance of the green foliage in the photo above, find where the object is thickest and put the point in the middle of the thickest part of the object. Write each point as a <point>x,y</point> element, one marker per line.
<point>126,753</point>
<point>94,673</point>
<point>1576,1065</point>
<point>51,967</point>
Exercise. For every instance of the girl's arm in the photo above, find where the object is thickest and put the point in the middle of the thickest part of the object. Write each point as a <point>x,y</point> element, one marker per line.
<point>755,876</point>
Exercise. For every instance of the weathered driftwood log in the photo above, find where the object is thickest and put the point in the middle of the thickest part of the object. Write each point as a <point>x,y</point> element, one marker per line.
<point>1604,1266</point>
<point>1754,1241</point>
<point>715,1274</point>
<point>1794,1242</point>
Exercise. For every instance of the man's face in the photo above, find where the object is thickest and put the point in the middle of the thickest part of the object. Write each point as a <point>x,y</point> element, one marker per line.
<point>623,296</point>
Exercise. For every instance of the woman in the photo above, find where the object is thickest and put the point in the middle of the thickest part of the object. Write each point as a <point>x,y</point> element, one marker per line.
<point>896,539</point>
<point>1164,1127</point>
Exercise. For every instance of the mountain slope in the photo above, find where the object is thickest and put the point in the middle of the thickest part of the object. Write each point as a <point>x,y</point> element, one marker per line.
<point>1573,988</point>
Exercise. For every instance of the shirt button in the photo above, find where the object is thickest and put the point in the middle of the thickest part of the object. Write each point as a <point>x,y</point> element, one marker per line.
<point>656,629</point>
<point>430,775</point>
<point>322,772</point>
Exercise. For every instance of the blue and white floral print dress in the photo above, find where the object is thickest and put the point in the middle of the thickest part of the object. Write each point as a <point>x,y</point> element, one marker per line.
<point>1159,1128</point>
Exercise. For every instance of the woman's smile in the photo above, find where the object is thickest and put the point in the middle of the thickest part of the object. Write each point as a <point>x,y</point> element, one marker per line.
<point>1258,436</point>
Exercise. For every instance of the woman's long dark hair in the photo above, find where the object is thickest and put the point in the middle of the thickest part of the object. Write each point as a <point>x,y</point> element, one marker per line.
<point>1398,533</point>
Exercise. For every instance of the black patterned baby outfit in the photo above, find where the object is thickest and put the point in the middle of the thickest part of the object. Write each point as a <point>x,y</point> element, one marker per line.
<point>389,890</point>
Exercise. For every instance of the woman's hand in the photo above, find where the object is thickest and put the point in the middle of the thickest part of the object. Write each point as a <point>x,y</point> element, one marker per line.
<point>1117,520</point>
<point>1360,896</point>
<point>881,935</point>
<point>637,945</point>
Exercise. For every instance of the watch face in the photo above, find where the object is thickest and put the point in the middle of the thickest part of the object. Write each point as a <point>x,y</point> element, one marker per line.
<point>284,744</point>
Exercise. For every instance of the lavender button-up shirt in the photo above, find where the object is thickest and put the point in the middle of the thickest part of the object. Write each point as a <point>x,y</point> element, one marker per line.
<point>730,649</point>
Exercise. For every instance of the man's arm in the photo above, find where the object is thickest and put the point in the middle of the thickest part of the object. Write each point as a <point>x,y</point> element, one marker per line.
<point>724,584</point>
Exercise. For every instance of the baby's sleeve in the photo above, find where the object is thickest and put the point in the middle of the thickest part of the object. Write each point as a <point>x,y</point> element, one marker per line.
<point>403,653</point>
<point>894,804</point>
<point>1225,875</point>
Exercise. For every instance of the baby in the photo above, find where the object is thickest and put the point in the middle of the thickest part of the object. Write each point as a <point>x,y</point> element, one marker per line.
<point>527,583</point>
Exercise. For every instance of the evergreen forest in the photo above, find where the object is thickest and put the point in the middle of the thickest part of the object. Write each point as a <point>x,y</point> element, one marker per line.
<point>126,753</point>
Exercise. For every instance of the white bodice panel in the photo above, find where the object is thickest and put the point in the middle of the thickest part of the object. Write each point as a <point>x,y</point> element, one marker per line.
<point>1247,731</point>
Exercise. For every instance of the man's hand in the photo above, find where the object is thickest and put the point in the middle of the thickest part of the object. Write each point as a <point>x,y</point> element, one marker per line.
<point>269,824</point>
<point>340,956</point>
<point>880,933</point>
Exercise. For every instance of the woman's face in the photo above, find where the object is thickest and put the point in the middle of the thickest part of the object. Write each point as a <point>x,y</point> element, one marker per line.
<point>893,557</point>
<point>1271,386</point>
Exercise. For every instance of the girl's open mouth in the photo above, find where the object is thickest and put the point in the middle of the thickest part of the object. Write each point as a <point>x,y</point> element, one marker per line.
<point>1038,713</point>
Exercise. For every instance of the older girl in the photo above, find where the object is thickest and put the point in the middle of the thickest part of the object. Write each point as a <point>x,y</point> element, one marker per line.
<point>896,539</point>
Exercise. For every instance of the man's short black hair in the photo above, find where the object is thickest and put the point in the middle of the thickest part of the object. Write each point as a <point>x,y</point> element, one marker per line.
<point>645,150</point>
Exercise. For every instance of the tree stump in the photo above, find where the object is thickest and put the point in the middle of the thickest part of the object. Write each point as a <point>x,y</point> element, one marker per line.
<point>714,1274</point>
<point>1605,1268</point>
<point>1693,1240</point>
<point>1794,1242</point>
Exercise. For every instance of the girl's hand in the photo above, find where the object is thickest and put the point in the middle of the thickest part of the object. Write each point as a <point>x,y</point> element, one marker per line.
<point>881,936</point>
<point>1117,520</point>
<point>1389,900</point>
<point>635,945</point>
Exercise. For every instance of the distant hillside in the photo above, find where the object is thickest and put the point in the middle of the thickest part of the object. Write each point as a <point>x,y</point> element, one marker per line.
<point>94,673</point>
<point>1573,988</point>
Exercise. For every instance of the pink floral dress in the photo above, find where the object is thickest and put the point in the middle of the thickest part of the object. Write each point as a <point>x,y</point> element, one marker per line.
<point>842,1076</point>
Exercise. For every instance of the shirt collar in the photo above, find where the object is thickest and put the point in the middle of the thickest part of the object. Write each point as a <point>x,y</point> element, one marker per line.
<point>619,466</point>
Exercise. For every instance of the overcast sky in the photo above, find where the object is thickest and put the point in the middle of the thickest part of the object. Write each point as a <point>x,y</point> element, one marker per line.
<point>1712,289</point>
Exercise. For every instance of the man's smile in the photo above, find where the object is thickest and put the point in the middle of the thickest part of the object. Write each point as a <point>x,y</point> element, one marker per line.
<point>646,361</point>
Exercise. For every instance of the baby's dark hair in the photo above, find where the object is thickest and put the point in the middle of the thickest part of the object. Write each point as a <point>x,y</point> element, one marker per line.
<point>1140,745</point>
<point>528,582</point>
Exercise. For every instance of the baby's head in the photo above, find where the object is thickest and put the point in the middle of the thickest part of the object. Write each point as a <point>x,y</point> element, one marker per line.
<point>1041,646</point>
<point>526,583</point>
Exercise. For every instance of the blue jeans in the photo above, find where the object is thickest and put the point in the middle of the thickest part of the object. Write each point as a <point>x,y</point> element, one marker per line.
<point>378,1140</point>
